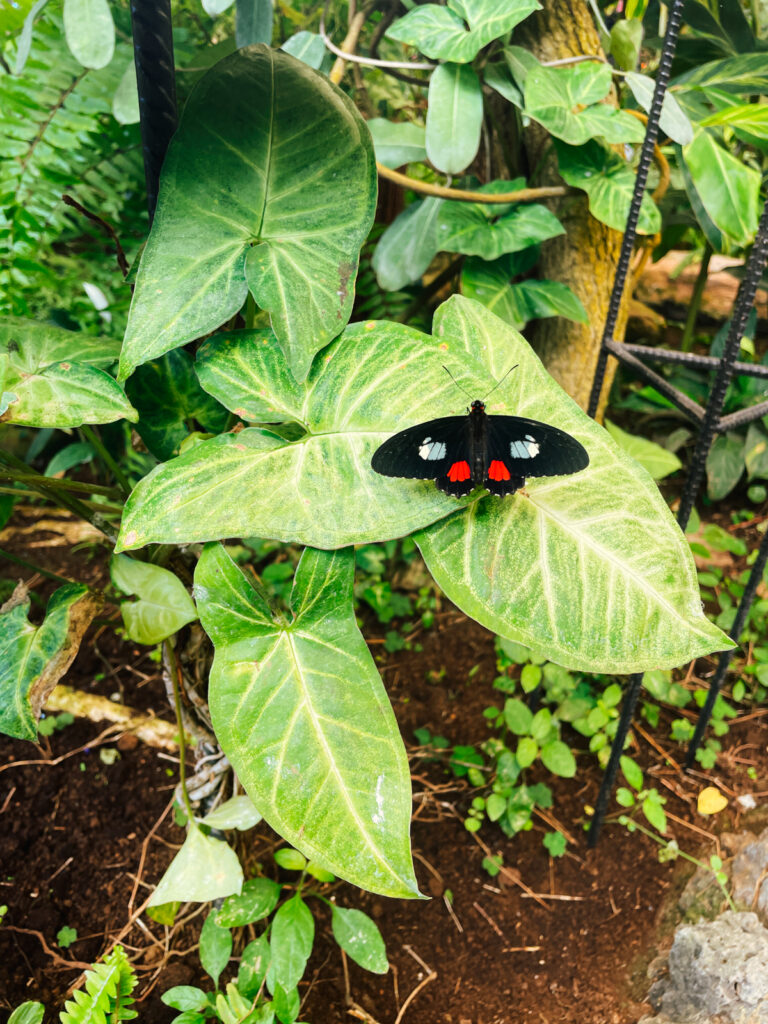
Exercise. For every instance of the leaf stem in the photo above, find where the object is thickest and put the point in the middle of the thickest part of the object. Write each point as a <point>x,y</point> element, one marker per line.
<point>174,674</point>
<point>681,853</point>
<point>106,458</point>
<point>35,568</point>
<point>43,486</point>
<point>56,483</point>
<point>686,342</point>
<point>20,492</point>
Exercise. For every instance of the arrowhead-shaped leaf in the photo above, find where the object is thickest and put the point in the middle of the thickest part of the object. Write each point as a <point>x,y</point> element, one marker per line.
<point>50,377</point>
<point>473,229</point>
<point>320,489</point>
<point>608,181</point>
<point>34,658</point>
<point>269,184</point>
<point>590,570</point>
<point>441,33</point>
<point>301,713</point>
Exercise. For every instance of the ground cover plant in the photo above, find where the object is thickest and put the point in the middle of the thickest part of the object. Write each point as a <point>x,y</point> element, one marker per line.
<point>225,426</point>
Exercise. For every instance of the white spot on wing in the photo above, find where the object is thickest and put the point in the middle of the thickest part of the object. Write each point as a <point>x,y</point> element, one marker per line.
<point>526,449</point>
<point>431,450</point>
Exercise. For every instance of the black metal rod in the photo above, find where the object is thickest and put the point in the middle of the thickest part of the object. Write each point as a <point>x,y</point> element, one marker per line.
<point>641,179</point>
<point>611,769</point>
<point>742,417</point>
<point>741,310</point>
<point>666,355</point>
<point>683,402</point>
<point>156,80</point>
<point>724,661</point>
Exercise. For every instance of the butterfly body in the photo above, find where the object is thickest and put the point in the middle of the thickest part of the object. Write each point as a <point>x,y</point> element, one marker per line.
<point>463,452</point>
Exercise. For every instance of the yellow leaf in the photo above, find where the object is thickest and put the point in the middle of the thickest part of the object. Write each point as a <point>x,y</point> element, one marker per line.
<point>711,800</point>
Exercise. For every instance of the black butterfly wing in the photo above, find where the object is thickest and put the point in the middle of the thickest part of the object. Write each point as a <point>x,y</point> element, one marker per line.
<point>519,448</point>
<point>429,451</point>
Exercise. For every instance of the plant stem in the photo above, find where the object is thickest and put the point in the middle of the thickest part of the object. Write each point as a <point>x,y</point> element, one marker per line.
<point>174,673</point>
<point>521,195</point>
<point>106,458</point>
<point>20,492</point>
<point>42,485</point>
<point>56,483</point>
<point>686,343</point>
<point>35,568</point>
<point>686,856</point>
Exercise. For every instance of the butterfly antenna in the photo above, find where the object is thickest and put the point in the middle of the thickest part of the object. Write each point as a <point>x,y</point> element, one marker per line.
<point>457,383</point>
<point>501,381</point>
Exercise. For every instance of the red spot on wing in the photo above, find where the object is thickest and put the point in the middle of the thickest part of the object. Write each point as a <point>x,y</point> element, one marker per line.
<point>498,471</point>
<point>459,471</point>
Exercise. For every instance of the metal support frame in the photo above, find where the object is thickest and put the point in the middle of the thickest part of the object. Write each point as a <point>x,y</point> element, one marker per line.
<point>622,269</point>
<point>156,80</point>
<point>709,420</point>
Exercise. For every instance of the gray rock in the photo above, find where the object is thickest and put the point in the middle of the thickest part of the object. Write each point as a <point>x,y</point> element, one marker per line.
<point>749,876</point>
<point>718,974</point>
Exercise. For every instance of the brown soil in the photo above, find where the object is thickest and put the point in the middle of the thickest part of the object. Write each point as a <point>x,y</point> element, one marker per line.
<point>564,940</point>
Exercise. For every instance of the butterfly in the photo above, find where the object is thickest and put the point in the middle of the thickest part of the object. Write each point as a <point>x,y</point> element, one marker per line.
<point>463,452</point>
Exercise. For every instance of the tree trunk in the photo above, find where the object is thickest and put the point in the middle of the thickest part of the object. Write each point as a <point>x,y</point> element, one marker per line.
<point>585,256</point>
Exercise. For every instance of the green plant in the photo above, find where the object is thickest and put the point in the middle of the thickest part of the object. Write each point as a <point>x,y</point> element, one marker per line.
<point>670,850</point>
<point>107,996</point>
<point>271,965</point>
<point>296,402</point>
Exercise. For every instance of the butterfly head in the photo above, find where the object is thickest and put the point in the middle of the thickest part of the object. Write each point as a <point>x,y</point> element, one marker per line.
<point>478,406</point>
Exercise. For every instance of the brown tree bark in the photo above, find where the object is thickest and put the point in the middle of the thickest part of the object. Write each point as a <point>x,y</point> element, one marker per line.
<point>585,256</point>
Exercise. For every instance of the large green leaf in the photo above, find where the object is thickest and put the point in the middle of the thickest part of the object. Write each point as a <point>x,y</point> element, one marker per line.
<point>441,33</point>
<point>674,122</point>
<point>50,377</point>
<point>300,711</point>
<point>469,228</point>
<point>608,181</point>
<point>454,117</point>
<point>729,189</point>
<point>747,73</point>
<point>90,31</point>
<point>320,490</point>
<point>658,461</point>
<point>566,101</point>
<point>397,142</point>
<point>33,344</point>
<point>712,233</point>
<point>490,283</point>
<point>590,571</point>
<point>169,399</point>
<point>34,658</point>
<point>408,246</point>
<point>725,464</point>
<point>750,117</point>
<point>269,184</point>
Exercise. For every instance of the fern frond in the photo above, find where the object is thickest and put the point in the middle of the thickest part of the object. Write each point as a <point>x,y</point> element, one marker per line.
<point>57,134</point>
<point>107,995</point>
